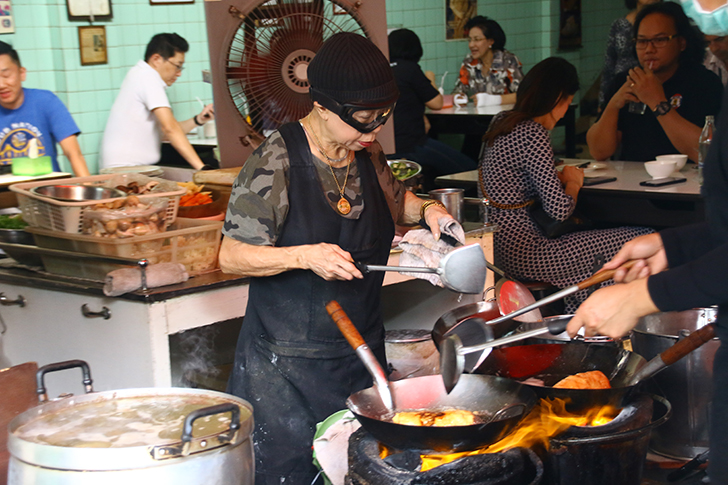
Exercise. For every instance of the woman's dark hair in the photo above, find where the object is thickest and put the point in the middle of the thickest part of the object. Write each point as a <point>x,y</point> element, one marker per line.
<point>404,45</point>
<point>630,4</point>
<point>694,40</point>
<point>545,85</point>
<point>491,30</point>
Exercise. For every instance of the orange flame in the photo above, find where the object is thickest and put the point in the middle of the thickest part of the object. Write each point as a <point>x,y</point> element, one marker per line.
<point>549,418</point>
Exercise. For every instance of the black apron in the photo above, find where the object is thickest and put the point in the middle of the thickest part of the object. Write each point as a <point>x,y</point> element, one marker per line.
<point>291,361</point>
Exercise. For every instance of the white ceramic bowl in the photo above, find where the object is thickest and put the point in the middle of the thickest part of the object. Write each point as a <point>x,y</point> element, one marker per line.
<point>660,168</point>
<point>680,160</point>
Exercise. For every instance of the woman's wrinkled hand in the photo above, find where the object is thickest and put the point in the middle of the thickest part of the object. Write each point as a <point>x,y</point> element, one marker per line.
<point>432,218</point>
<point>329,261</point>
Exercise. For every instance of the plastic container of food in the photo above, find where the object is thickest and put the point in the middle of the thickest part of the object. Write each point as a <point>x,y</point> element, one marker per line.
<point>48,213</point>
<point>192,242</point>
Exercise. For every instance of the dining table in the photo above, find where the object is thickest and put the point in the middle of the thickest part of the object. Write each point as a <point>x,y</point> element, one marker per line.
<point>623,201</point>
<point>471,120</point>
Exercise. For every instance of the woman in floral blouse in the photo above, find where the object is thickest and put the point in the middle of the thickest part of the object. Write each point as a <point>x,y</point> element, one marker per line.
<point>489,68</point>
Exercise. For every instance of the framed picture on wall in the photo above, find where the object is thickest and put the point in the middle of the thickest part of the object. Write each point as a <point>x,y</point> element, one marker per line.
<point>167,2</point>
<point>457,14</point>
<point>86,9</point>
<point>7,25</point>
<point>92,42</point>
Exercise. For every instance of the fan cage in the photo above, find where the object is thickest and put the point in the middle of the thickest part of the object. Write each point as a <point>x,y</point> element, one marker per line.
<point>270,52</point>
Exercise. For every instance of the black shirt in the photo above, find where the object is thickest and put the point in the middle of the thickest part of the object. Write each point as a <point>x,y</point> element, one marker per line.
<point>694,92</point>
<point>414,91</point>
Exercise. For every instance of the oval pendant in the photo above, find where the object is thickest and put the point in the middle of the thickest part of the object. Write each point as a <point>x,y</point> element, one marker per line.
<point>343,206</point>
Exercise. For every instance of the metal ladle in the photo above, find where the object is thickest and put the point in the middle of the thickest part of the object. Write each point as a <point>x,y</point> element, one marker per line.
<point>452,351</point>
<point>462,269</point>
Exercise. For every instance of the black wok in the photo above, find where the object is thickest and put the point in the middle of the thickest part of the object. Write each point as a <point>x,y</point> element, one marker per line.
<point>499,403</point>
<point>502,403</point>
<point>552,362</point>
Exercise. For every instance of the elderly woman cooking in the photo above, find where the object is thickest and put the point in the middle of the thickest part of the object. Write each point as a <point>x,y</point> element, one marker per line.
<point>315,197</point>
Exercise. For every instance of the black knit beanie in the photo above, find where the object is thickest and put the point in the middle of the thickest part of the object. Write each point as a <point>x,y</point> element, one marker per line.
<point>350,69</point>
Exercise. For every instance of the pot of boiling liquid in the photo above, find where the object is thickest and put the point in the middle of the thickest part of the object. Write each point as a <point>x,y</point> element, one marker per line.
<point>128,436</point>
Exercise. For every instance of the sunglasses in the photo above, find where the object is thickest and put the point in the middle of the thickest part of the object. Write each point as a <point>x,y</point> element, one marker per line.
<point>364,119</point>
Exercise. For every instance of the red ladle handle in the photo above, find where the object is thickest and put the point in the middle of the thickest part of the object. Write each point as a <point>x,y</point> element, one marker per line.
<point>338,315</point>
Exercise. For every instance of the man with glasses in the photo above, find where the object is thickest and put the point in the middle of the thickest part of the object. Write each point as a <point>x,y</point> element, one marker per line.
<point>659,107</point>
<point>142,116</point>
<point>716,56</point>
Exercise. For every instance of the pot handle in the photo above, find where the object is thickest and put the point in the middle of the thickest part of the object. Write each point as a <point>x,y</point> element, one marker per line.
<point>68,364</point>
<point>209,411</point>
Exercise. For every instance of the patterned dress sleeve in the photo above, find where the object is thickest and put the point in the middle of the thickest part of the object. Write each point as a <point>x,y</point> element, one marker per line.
<point>259,197</point>
<point>610,62</point>
<point>541,172</point>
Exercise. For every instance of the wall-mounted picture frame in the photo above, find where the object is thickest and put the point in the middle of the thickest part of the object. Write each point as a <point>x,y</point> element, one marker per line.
<point>169,2</point>
<point>7,24</point>
<point>338,9</point>
<point>92,43</point>
<point>457,14</point>
<point>86,9</point>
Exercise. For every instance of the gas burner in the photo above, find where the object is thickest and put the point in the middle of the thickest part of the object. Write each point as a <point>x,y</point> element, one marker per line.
<point>366,467</point>
<point>585,455</point>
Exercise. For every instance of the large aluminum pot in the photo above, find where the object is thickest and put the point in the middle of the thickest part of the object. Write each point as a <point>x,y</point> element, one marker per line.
<point>134,436</point>
<point>687,384</point>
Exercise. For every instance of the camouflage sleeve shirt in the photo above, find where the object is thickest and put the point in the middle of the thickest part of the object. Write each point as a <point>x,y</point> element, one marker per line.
<point>259,199</point>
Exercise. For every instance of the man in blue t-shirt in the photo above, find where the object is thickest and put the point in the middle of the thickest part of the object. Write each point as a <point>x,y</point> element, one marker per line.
<point>27,114</point>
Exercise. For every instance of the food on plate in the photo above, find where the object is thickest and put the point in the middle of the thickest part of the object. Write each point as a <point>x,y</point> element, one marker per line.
<point>194,195</point>
<point>450,417</point>
<point>403,170</point>
<point>14,221</point>
<point>584,380</point>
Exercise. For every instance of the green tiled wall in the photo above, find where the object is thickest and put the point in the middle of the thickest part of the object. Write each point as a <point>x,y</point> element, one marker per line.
<point>48,45</point>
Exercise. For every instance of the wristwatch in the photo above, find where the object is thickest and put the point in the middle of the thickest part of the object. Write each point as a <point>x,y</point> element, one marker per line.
<point>662,108</point>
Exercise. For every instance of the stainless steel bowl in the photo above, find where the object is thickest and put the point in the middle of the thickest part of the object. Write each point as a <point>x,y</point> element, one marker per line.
<point>76,192</point>
<point>404,169</point>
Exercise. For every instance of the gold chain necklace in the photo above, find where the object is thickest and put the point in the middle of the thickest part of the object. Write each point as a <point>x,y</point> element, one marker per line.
<point>343,205</point>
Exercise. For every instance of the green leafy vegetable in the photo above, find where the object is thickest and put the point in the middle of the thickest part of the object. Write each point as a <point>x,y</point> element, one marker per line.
<point>402,171</point>
<point>12,222</point>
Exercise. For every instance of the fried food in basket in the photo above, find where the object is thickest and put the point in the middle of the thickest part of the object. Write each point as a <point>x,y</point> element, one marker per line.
<point>584,380</point>
<point>451,417</point>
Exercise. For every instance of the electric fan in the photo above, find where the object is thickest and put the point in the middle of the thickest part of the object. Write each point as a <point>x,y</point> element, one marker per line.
<point>260,51</point>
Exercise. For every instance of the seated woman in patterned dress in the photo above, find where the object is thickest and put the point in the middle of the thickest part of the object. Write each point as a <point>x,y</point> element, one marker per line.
<point>517,168</point>
<point>489,68</point>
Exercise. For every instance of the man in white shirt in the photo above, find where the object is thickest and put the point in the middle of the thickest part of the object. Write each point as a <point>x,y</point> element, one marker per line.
<point>142,116</point>
<point>716,56</point>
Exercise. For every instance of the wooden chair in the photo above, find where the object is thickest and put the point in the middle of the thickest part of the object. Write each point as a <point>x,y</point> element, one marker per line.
<point>17,385</point>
